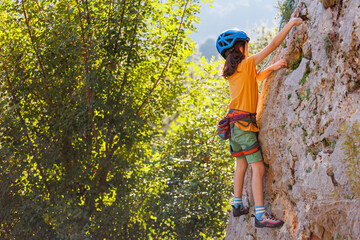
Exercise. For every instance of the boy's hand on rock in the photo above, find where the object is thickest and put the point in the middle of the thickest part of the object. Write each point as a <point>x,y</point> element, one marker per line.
<point>279,64</point>
<point>296,21</point>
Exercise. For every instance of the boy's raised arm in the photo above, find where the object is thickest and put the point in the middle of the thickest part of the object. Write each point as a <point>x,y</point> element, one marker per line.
<point>277,40</point>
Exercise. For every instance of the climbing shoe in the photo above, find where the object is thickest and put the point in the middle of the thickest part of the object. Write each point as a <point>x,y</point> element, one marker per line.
<point>268,221</point>
<point>237,212</point>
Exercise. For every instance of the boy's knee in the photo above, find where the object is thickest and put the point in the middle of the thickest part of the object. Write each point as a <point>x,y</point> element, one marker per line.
<point>258,168</point>
<point>241,164</point>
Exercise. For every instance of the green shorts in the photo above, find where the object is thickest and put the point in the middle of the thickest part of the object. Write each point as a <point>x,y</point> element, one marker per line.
<point>242,139</point>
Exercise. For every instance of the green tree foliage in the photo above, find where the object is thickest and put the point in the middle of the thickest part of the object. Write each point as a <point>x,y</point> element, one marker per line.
<point>84,88</point>
<point>197,176</point>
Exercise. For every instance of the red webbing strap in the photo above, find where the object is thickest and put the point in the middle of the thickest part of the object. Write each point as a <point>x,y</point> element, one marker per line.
<point>238,115</point>
<point>247,151</point>
<point>234,112</point>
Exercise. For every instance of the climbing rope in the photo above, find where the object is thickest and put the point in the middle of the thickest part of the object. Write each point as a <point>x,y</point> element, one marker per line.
<point>222,145</point>
<point>282,18</point>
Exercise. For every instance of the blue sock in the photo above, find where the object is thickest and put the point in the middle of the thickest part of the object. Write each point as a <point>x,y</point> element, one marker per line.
<point>259,211</point>
<point>238,202</point>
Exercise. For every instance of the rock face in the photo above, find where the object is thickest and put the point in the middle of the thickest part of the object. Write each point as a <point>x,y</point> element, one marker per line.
<point>309,119</point>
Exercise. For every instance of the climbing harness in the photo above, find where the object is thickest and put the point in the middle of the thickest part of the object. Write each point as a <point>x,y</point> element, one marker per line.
<point>234,115</point>
<point>282,18</point>
<point>225,125</point>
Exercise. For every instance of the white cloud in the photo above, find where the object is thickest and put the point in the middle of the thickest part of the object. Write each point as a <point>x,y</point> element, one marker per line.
<point>244,3</point>
<point>227,7</point>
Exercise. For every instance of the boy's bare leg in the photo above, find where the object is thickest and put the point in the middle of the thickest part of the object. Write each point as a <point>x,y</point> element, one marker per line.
<point>262,218</point>
<point>239,175</point>
<point>258,171</point>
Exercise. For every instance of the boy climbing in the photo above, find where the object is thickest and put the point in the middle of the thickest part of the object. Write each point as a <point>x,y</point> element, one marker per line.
<point>240,71</point>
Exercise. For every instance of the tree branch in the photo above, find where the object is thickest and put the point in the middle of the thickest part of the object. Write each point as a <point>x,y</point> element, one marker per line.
<point>87,67</point>
<point>128,60</point>
<point>167,63</point>
<point>108,27</point>
<point>37,54</point>
<point>119,31</point>
<point>15,101</point>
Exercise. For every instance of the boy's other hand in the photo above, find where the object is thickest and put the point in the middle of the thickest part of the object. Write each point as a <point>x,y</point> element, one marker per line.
<point>279,64</point>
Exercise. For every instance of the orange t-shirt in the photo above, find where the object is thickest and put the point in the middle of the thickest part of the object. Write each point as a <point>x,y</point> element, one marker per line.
<point>244,90</point>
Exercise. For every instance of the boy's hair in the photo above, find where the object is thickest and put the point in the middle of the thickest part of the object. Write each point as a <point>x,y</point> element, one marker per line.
<point>233,58</point>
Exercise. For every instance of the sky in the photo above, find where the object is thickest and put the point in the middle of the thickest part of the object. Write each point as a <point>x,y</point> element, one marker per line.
<point>242,14</point>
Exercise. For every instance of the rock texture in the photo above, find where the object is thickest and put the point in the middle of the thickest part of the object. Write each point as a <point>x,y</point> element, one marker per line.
<point>308,115</point>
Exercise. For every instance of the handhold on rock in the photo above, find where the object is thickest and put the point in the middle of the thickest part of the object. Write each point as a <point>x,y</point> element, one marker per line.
<point>328,3</point>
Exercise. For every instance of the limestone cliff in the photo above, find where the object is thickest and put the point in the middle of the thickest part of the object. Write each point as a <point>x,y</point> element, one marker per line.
<point>309,115</point>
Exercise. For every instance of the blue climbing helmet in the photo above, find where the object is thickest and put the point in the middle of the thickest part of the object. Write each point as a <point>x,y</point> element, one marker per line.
<point>228,38</point>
